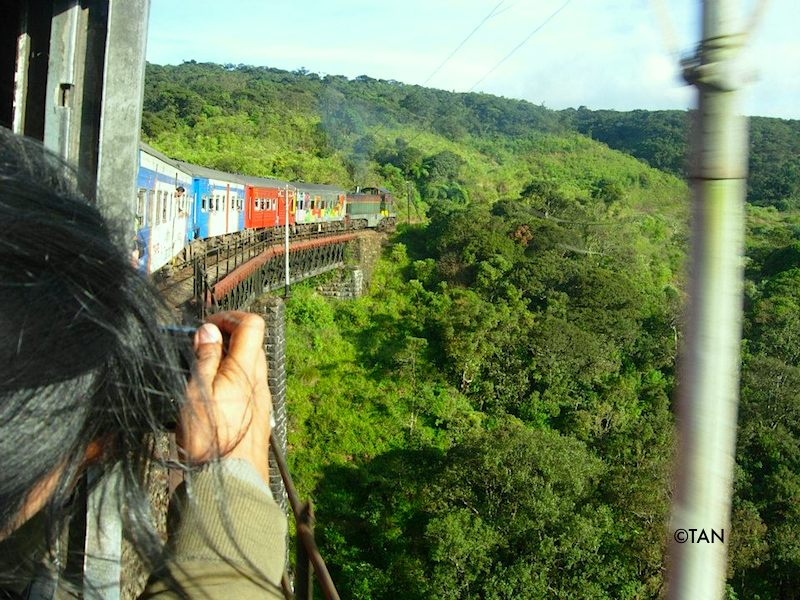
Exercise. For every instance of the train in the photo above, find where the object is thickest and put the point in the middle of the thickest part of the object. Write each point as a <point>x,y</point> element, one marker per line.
<point>180,206</point>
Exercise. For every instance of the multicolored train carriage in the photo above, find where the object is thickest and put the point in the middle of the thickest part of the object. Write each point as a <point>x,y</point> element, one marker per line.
<point>179,204</point>
<point>163,210</point>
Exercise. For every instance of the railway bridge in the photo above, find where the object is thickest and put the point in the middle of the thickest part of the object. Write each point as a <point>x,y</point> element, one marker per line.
<point>252,270</point>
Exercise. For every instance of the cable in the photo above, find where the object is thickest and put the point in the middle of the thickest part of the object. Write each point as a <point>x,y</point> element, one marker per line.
<point>500,12</point>
<point>520,45</point>
<point>667,30</point>
<point>492,13</point>
<point>464,41</point>
<point>755,18</point>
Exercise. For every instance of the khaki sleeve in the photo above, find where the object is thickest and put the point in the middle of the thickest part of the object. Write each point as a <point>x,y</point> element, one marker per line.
<point>227,537</point>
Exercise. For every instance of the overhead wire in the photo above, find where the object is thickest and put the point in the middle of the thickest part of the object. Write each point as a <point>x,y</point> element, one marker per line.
<point>520,45</point>
<point>665,23</point>
<point>491,14</point>
<point>755,18</point>
<point>500,12</point>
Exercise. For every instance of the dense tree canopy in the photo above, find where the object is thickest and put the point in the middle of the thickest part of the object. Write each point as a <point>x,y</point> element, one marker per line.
<point>492,420</point>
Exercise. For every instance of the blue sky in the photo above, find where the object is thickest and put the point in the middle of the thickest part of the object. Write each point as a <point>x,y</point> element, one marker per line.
<point>619,54</point>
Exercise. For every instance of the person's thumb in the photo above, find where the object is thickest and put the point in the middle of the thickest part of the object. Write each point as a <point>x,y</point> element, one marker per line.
<point>208,350</point>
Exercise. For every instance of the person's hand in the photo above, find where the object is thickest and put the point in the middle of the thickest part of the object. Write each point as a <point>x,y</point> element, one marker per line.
<point>228,400</point>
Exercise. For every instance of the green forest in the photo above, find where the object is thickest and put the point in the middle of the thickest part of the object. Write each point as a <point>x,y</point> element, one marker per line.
<point>493,419</point>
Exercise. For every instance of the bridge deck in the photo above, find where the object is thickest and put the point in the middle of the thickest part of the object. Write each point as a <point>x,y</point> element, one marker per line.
<point>178,288</point>
<point>240,273</point>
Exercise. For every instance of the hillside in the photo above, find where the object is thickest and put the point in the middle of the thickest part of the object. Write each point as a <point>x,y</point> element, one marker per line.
<point>659,138</point>
<point>493,419</point>
<point>335,130</point>
<point>363,132</point>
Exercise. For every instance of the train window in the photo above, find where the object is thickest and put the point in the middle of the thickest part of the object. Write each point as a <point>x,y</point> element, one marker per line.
<point>203,201</point>
<point>141,204</point>
<point>164,207</point>
<point>150,207</point>
<point>158,207</point>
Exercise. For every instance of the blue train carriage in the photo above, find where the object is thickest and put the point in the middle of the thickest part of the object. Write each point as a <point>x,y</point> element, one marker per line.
<point>371,207</point>
<point>219,203</point>
<point>320,207</point>
<point>163,210</point>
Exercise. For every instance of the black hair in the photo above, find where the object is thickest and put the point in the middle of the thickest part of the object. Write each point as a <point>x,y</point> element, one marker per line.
<point>83,358</point>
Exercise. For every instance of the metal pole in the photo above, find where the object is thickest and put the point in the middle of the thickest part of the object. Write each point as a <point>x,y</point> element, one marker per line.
<point>286,245</point>
<point>304,576</point>
<point>709,367</point>
<point>305,533</point>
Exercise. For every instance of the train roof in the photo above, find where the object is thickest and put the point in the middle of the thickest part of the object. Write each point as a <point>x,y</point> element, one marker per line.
<point>370,189</point>
<point>159,155</point>
<point>319,187</point>
<point>205,172</point>
<point>208,173</point>
<point>266,182</point>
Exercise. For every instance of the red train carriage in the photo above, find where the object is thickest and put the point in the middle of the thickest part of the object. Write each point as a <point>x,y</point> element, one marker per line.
<point>265,203</point>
